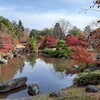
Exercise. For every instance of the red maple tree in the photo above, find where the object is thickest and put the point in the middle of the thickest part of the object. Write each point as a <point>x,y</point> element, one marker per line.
<point>73,41</point>
<point>42,38</point>
<point>82,55</point>
<point>8,43</point>
<point>47,41</point>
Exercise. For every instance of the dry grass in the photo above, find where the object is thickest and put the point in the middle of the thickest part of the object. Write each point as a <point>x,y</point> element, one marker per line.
<point>73,93</point>
<point>78,93</point>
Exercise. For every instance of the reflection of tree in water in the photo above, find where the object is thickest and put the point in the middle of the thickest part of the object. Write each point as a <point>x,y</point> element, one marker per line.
<point>32,59</point>
<point>57,66</point>
<point>20,65</point>
<point>8,71</point>
<point>59,74</point>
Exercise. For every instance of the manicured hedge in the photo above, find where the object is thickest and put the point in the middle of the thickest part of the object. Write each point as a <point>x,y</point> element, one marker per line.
<point>87,78</point>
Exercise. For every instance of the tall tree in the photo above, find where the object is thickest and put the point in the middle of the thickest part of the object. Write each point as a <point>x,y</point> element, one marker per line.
<point>26,32</point>
<point>57,32</point>
<point>6,26</point>
<point>74,31</point>
<point>65,26</point>
<point>46,32</point>
<point>34,33</point>
<point>20,30</point>
<point>87,30</point>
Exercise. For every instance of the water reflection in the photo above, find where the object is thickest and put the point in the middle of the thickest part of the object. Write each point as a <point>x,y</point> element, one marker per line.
<point>58,67</point>
<point>13,92</point>
<point>49,73</point>
<point>58,64</point>
<point>7,72</point>
<point>32,59</point>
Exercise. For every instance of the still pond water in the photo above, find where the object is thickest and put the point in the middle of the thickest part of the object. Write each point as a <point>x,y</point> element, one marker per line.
<point>50,73</point>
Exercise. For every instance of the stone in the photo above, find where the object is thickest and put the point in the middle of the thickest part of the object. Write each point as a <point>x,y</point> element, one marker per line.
<point>15,54</point>
<point>4,61</point>
<point>12,84</point>
<point>98,57</point>
<point>33,89</point>
<point>92,88</point>
<point>76,66</point>
<point>57,94</point>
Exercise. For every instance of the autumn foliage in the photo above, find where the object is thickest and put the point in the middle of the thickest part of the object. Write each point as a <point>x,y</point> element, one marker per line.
<point>94,39</point>
<point>42,38</point>
<point>82,55</point>
<point>73,41</point>
<point>47,41</point>
<point>97,2</point>
<point>7,42</point>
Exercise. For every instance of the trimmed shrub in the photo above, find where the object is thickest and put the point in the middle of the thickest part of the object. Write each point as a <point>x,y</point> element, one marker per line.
<point>48,51</point>
<point>87,78</point>
<point>62,50</point>
<point>87,70</point>
<point>33,45</point>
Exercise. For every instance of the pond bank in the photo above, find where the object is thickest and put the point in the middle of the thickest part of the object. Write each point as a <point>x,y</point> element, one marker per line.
<point>73,93</point>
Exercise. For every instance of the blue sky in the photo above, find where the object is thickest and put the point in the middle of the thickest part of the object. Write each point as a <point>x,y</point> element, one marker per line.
<point>40,14</point>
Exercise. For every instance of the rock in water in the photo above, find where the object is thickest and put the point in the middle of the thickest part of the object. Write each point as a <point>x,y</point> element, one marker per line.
<point>92,88</point>
<point>33,89</point>
<point>13,84</point>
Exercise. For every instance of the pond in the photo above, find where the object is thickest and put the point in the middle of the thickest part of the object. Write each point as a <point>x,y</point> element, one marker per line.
<point>49,73</point>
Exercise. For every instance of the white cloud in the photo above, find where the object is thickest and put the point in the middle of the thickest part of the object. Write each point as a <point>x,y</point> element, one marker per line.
<point>2,8</point>
<point>7,8</point>
<point>75,1</point>
<point>44,20</point>
<point>27,7</point>
<point>47,19</point>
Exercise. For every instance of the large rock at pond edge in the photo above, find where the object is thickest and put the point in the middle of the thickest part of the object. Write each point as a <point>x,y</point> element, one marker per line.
<point>92,88</point>
<point>57,94</point>
<point>13,84</point>
<point>33,89</point>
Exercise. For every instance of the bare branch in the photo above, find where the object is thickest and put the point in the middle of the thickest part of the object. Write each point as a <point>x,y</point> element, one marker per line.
<point>96,9</point>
